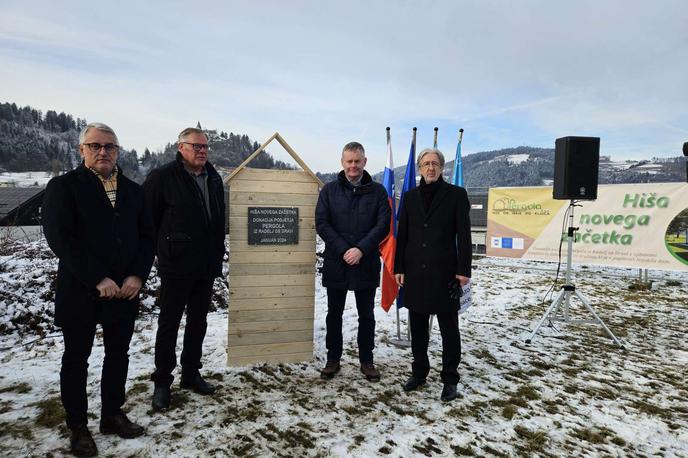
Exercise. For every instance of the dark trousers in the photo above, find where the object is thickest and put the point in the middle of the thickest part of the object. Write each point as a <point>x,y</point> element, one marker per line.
<point>78,341</point>
<point>451,345</point>
<point>336,299</point>
<point>175,295</point>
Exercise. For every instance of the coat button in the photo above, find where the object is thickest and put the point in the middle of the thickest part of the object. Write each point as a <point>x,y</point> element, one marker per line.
<point>425,224</point>
<point>424,245</point>
<point>422,266</point>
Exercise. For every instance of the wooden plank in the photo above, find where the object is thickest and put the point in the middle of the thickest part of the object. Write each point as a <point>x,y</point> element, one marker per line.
<point>270,337</point>
<point>271,303</point>
<point>236,246</point>
<point>305,211</point>
<point>299,257</point>
<point>271,269</point>
<point>293,176</point>
<point>271,280</point>
<point>286,359</point>
<point>270,349</point>
<point>257,292</point>
<point>240,329</point>
<point>277,187</point>
<point>250,316</point>
<point>269,199</point>
<point>239,232</point>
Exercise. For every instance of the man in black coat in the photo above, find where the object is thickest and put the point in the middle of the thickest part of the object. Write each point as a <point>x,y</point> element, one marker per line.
<point>352,217</point>
<point>433,250</point>
<point>186,197</point>
<point>95,221</point>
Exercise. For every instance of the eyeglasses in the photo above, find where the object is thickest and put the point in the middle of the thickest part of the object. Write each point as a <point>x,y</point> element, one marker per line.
<point>110,148</point>
<point>198,147</point>
<point>433,164</point>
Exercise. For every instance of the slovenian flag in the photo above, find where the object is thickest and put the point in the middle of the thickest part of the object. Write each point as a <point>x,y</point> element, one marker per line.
<point>389,244</point>
<point>409,183</point>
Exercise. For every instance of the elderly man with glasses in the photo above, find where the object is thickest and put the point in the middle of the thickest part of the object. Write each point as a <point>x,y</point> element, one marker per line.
<point>433,252</point>
<point>186,197</point>
<point>95,221</point>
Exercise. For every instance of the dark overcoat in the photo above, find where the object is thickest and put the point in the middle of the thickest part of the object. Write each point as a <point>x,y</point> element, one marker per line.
<point>188,243</point>
<point>433,247</point>
<point>93,241</point>
<point>346,217</point>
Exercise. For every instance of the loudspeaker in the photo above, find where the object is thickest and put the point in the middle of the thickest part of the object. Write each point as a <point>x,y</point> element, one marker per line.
<point>576,167</point>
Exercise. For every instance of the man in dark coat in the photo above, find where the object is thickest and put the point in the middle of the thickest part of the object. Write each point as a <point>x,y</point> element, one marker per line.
<point>352,217</point>
<point>433,250</point>
<point>95,221</point>
<point>186,197</point>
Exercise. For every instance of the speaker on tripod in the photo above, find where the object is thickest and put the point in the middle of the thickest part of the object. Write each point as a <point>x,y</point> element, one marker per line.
<point>576,167</point>
<point>576,163</point>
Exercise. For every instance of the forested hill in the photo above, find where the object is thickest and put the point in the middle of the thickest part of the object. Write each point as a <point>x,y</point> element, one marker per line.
<point>528,166</point>
<point>31,140</point>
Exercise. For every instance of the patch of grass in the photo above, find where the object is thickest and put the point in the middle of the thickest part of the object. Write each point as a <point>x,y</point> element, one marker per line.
<point>16,430</point>
<point>494,452</point>
<point>384,450</point>
<point>50,412</point>
<point>509,411</point>
<point>650,409</point>
<point>485,355</point>
<point>19,388</point>
<point>534,440</point>
<point>673,283</point>
<point>598,436</point>
<point>179,399</point>
<point>138,388</point>
<point>528,392</point>
<point>463,451</point>
<point>358,439</point>
<point>428,447</point>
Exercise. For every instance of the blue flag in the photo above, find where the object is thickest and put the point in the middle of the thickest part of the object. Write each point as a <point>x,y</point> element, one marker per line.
<point>409,183</point>
<point>457,179</point>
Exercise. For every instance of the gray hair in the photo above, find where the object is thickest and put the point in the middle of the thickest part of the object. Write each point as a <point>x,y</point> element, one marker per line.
<point>354,146</point>
<point>98,126</point>
<point>427,151</point>
<point>191,130</point>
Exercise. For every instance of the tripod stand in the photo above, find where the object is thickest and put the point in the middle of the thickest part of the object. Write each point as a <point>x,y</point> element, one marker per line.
<point>564,297</point>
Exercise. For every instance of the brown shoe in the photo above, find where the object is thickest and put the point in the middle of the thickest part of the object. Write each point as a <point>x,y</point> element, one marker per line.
<point>81,441</point>
<point>370,372</point>
<point>330,370</point>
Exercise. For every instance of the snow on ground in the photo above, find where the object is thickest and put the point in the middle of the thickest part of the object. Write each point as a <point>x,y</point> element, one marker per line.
<point>517,158</point>
<point>569,393</point>
<point>22,179</point>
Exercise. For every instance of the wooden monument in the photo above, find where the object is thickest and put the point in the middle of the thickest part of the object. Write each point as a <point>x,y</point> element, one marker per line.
<point>271,262</point>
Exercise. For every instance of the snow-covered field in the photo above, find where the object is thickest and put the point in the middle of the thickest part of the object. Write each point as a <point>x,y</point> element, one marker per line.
<point>22,179</point>
<point>569,393</point>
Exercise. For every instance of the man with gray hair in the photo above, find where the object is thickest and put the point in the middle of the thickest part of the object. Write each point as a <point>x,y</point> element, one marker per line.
<point>186,197</point>
<point>95,221</point>
<point>352,217</point>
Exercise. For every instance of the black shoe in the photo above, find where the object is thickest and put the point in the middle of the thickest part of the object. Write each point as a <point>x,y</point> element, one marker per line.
<point>370,371</point>
<point>331,369</point>
<point>414,382</point>
<point>81,441</point>
<point>197,384</point>
<point>161,398</point>
<point>449,392</point>
<point>119,424</point>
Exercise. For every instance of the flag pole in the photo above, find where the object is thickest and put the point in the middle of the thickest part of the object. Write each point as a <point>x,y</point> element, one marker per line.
<point>409,183</point>
<point>434,142</point>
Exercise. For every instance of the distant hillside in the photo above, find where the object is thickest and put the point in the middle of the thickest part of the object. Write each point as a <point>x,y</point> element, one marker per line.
<point>31,141</point>
<point>528,166</point>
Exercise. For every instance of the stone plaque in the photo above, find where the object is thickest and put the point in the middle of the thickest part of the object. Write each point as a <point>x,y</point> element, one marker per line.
<point>273,226</point>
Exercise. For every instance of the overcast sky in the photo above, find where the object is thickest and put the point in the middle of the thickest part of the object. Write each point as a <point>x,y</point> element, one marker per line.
<point>323,73</point>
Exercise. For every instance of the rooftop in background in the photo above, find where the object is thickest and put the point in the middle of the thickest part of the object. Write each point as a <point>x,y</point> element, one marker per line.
<point>24,179</point>
<point>20,206</point>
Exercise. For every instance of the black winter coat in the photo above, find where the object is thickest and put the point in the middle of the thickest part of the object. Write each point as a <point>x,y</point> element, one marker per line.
<point>188,243</point>
<point>93,240</point>
<point>346,217</point>
<point>433,247</point>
